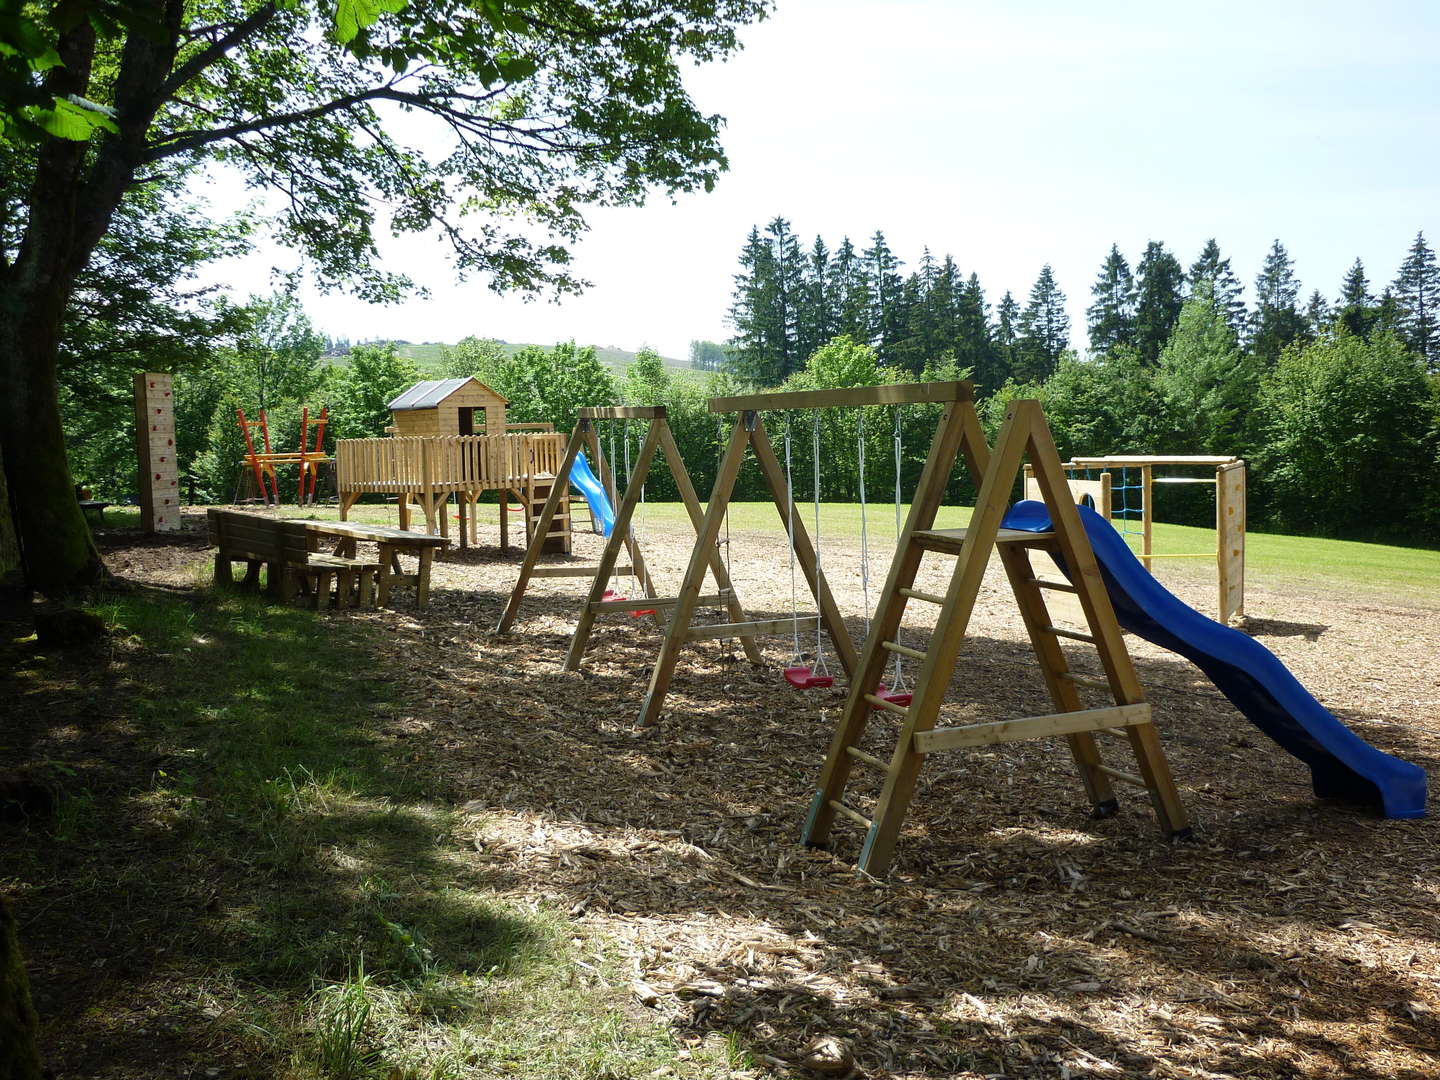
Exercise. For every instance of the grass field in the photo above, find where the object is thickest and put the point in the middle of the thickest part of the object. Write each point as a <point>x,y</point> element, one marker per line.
<point>1276,561</point>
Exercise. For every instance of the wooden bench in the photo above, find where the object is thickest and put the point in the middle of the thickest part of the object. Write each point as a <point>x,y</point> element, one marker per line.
<point>286,550</point>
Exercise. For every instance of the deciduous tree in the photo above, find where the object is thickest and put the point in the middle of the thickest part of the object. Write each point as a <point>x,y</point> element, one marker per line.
<point>551,106</point>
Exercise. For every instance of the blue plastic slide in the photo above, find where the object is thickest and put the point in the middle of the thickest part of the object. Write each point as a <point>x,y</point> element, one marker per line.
<point>1342,765</point>
<point>594,492</point>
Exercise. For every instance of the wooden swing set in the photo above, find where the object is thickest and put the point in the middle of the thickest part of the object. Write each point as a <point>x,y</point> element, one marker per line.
<point>1024,435</point>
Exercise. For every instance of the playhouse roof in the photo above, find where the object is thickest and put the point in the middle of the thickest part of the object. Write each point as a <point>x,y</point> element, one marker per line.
<point>429,394</point>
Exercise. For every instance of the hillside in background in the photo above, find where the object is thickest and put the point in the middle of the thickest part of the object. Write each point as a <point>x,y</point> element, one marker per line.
<point>428,356</point>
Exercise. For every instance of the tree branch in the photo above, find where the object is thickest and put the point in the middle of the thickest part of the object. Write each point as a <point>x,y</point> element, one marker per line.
<point>215,51</point>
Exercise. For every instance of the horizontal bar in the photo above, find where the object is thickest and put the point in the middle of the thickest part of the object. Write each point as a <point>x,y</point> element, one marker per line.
<point>752,629</point>
<point>1031,727</point>
<point>646,603</point>
<point>1144,459</point>
<point>1183,480</point>
<point>903,650</point>
<point>894,394</point>
<point>1186,555</point>
<point>1123,776</point>
<point>854,815</point>
<point>574,571</point>
<point>1073,635</point>
<point>889,706</point>
<point>916,594</point>
<point>861,755</point>
<point>1054,586</point>
<point>631,412</point>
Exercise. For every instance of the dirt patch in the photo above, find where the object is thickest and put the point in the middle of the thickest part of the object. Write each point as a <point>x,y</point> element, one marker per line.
<point>1015,937</point>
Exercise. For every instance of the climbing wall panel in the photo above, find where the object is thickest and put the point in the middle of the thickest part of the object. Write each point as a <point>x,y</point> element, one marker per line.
<point>155,448</point>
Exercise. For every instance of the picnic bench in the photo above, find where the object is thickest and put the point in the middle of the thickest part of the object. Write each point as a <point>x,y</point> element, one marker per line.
<point>290,549</point>
<point>287,551</point>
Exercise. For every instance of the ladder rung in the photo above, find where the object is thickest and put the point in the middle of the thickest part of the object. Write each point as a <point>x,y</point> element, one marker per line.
<point>869,759</point>
<point>1085,680</point>
<point>1073,635</point>
<point>896,647</point>
<point>854,815</point>
<point>1123,776</point>
<point>1050,583</point>
<point>916,594</point>
<point>752,629</point>
<point>889,706</point>
<point>1114,733</point>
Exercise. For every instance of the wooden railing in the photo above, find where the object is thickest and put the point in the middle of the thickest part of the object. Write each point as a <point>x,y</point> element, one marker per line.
<point>445,462</point>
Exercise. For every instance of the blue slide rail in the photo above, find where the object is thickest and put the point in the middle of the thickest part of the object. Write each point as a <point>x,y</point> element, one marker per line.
<point>1342,765</point>
<point>594,492</point>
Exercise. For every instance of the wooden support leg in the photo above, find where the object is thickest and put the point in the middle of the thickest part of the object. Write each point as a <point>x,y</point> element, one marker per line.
<point>422,586</point>
<point>322,589</point>
<point>367,588</point>
<point>462,507</point>
<point>224,572</point>
<point>347,500</point>
<point>252,574</point>
<point>700,556</point>
<point>504,520</point>
<point>387,564</point>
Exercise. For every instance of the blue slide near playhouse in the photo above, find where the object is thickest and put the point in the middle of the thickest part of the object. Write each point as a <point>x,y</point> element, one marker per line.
<point>594,492</point>
<point>1342,765</point>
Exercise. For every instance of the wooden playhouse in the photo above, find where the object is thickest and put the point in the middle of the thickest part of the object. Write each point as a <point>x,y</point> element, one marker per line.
<point>450,437</point>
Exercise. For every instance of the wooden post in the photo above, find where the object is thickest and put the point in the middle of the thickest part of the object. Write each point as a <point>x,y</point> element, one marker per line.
<point>1230,539</point>
<point>1147,516</point>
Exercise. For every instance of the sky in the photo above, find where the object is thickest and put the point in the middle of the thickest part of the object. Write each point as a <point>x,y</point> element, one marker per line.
<point>1008,136</point>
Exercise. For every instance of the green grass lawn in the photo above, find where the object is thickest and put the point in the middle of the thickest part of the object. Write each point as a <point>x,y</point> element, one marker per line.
<point>1409,575</point>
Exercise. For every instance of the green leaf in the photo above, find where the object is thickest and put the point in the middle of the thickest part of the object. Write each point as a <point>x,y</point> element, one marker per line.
<point>352,16</point>
<point>67,120</point>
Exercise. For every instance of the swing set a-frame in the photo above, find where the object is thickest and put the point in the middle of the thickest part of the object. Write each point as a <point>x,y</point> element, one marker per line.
<point>1023,435</point>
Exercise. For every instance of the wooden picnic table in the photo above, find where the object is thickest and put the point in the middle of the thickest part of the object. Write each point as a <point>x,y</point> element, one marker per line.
<point>392,544</point>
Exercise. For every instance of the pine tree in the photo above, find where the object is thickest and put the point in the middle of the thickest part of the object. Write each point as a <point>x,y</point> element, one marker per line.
<point>1006,339</point>
<point>1111,318</point>
<point>788,293</point>
<point>1159,294</point>
<point>1417,297</point>
<point>1318,316</point>
<point>1275,322</point>
<point>1356,310</point>
<point>1044,330</point>
<point>850,292</point>
<point>1225,287</point>
<point>815,319</point>
<point>974,346</point>
<point>751,309</point>
<point>886,320</point>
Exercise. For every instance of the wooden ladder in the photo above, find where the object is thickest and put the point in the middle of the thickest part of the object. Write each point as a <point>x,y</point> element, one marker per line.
<point>1127,716</point>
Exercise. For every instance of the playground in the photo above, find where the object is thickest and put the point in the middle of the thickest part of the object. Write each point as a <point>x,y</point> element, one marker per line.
<point>1013,935</point>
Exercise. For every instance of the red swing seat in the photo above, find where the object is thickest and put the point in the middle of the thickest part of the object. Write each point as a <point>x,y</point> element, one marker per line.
<point>804,678</point>
<point>611,594</point>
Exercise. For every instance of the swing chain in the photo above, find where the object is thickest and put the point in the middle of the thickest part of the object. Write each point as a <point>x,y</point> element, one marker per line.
<point>796,657</point>
<point>820,667</point>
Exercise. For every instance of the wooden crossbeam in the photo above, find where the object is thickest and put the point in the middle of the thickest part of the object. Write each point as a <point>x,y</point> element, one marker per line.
<point>759,628</point>
<point>1030,727</point>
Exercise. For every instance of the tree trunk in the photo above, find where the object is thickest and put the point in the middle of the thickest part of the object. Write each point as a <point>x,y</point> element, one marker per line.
<point>19,1058</point>
<point>12,574</point>
<point>59,554</point>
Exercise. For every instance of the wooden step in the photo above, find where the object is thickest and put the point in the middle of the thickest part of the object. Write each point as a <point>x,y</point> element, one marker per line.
<point>1085,680</point>
<point>1031,727</point>
<point>903,650</point>
<point>869,759</point>
<point>929,598</point>
<point>949,541</point>
<point>889,706</point>
<point>761,628</point>
<point>1124,777</point>
<point>854,815</point>
<point>1073,635</point>
<point>1054,585</point>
